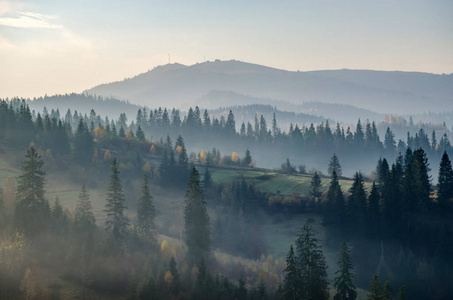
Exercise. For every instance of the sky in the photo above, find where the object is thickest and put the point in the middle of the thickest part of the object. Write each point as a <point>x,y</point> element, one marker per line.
<point>56,47</point>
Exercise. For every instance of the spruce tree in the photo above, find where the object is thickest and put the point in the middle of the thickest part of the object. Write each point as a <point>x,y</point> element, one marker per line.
<point>146,213</point>
<point>334,205</point>
<point>312,265</point>
<point>32,208</point>
<point>373,211</point>
<point>445,184</point>
<point>197,223</point>
<point>315,186</point>
<point>247,159</point>
<point>343,283</point>
<point>140,134</point>
<point>334,165</point>
<point>176,285</point>
<point>375,291</point>
<point>207,179</point>
<point>357,203</point>
<point>84,220</point>
<point>292,282</point>
<point>116,223</point>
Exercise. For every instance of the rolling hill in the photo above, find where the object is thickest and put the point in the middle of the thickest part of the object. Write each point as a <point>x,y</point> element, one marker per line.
<point>383,92</point>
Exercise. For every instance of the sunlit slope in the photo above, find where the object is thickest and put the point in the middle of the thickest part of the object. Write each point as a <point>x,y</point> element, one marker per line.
<point>275,182</point>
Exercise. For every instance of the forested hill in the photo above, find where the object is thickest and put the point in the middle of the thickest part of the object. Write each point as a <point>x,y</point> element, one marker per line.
<point>83,104</point>
<point>334,111</point>
<point>179,85</point>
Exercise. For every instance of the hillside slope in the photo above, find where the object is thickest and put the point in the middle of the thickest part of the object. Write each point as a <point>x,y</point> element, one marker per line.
<point>379,91</point>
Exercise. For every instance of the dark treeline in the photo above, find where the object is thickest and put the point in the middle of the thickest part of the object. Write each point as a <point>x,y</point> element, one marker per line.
<point>310,145</point>
<point>400,228</point>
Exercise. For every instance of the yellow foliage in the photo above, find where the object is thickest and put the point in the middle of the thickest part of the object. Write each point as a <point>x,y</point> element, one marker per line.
<point>168,278</point>
<point>234,157</point>
<point>107,155</point>
<point>152,149</point>
<point>166,251</point>
<point>202,156</point>
<point>178,149</point>
<point>129,134</point>
<point>100,133</point>
<point>147,167</point>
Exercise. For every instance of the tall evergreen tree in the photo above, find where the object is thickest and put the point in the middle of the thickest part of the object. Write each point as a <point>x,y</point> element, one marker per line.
<point>334,204</point>
<point>315,186</point>
<point>247,159</point>
<point>116,223</point>
<point>139,133</point>
<point>197,223</point>
<point>32,208</point>
<point>334,165</point>
<point>84,220</point>
<point>375,291</point>
<point>343,282</point>
<point>373,212</point>
<point>292,284</point>
<point>312,265</point>
<point>356,208</point>
<point>146,213</point>
<point>445,184</point>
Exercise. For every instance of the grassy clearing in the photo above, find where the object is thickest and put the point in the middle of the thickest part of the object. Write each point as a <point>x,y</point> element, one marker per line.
<point>269,181</point>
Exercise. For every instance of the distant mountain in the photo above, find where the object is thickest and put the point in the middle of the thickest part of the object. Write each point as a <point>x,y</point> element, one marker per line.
<point>342,113</point>
<point>380,91</point>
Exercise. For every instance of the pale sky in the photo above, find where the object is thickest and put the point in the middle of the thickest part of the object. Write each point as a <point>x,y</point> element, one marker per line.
<point>49,47</point>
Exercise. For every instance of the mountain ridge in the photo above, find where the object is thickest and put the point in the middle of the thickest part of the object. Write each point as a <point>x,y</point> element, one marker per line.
<point>379,91</point>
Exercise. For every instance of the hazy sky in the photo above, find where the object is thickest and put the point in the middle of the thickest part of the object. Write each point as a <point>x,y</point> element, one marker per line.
<point>49,47</point>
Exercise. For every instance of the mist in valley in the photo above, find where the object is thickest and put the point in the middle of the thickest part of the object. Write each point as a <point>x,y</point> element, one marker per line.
<point>226,151</point>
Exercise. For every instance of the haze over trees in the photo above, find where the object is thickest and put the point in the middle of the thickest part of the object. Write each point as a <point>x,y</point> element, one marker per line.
<point>173,203</point>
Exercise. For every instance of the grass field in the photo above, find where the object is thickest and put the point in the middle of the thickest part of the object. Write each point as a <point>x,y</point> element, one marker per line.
<point>271,181</point>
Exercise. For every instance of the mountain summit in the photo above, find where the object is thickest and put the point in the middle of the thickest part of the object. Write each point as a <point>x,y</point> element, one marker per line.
<point>380,91</point>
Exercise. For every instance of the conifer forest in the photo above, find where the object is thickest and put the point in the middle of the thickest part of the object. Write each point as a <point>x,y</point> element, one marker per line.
<point>218,178</point>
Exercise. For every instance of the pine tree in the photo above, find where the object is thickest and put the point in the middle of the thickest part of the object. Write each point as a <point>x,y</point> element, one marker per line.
<point>334,204</point>
<point>334,165</point>
<point>292,282</point>
<point>83,143</point>
<point>197,224</point>
<point>312,265</point>
<point>445,184</point>
<point>139,133</point>
<point>375,291</point>
<point>247,159</point>
<point>343,283</point>
<point>207,179</point>
<point>84,220</point>
<point>146,213</point>
<point>32,208</point>
<point>116,223</point>
<point>176,285</point>
<point>402,293</point>
<point>315,186</point>
<point>183,165</point>
<point>389,141</point>
<point>373,211</point>
<point>357,203</point>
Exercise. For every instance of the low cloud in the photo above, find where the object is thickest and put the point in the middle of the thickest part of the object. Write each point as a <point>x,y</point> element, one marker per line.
<point>30,20</point>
